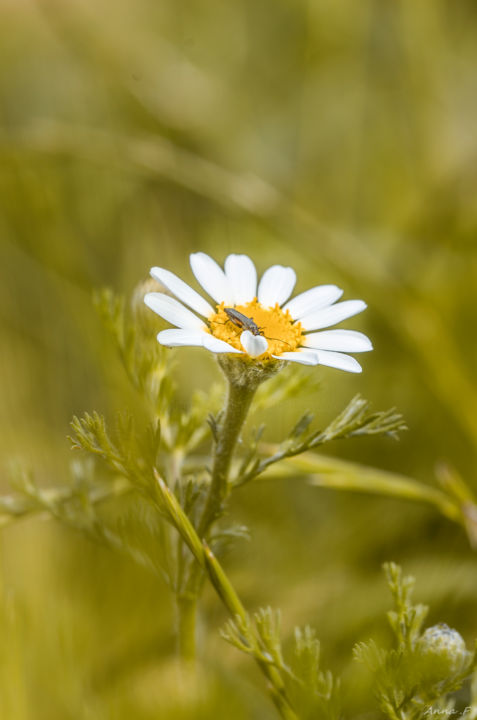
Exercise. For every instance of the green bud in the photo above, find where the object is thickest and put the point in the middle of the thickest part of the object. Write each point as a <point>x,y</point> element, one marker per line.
<point>442,652</point>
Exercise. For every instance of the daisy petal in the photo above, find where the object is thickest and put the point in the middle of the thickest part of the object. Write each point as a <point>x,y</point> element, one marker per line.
<point>341,340</point>
<point>211,277</point>
<point>314,299</point>
<point>172,311</point>
<point>339,360</point>
<point>254,345</point>
<point>177,338</point>
<point>332,315</point>
<point>241,277</point>
<point>276,285</point>
<point>304,357</point>
<point>182,291</point>
<point>217,346</point>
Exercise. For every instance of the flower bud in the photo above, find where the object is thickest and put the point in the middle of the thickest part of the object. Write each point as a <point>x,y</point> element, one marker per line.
<point>442,652</point>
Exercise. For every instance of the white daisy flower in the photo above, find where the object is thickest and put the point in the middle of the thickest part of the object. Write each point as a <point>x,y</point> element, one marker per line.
<point>257,322</point>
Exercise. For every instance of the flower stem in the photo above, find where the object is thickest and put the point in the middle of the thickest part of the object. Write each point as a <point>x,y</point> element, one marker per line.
<point>237,404</point>
<point>240,392</point>
<point>206,561</point>
<point>239,399</point>
<point>186,608</point>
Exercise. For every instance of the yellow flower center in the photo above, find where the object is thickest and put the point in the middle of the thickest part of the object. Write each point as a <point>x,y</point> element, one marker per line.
<point>272,323</point>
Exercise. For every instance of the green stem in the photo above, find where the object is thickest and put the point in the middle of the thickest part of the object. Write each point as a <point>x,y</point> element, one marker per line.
<point>239,399</point>
<point>232,602</point>
<point>186,608</point>
<point>206,561</point>
<point>240,394</point>
<point>237,405</point>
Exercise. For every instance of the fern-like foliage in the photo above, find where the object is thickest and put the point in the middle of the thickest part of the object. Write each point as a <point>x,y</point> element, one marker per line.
<point>121,449</point>
<point>311,692</point>
<point>145,361</point>
<point>413,679</point>
<point>356,419</point>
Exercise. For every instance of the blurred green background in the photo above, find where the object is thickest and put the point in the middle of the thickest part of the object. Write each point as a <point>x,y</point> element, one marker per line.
<point>338,137</point>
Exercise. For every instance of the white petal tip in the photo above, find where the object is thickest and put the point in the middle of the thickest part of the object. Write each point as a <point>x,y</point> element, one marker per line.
<point>174,312</point>
<point>211,277</point>
<point>338,341</point>
<point>242,277</point>
<point>173,337</point>
<point>254,345</point>
<point>276,285</point>
<point>148,299</point>
<point>332,315</point>
<point>340,361</point>
<point>182,291</point>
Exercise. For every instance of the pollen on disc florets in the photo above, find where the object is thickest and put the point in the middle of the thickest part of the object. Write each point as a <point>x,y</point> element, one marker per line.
<point>275,324</point>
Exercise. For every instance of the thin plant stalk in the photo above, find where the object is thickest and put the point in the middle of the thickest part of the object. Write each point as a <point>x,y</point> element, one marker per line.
<point>222,585</point>
<point>237,405</point>
<point>186,615</point>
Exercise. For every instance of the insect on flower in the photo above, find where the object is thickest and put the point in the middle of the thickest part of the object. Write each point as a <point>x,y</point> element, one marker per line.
<point>242,321</point>
<point>256,318</point>
<point>246,323</point>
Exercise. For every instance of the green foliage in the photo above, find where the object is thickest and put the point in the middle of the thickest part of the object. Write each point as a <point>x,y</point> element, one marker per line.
<point>144,360</point>
<point>311,692</point>
<point>150,369</point>
<point>123,453</point>
<point>337,138</point>
<point>166,526</point>
<point>412,679</point>
<point>355,420</point>
<point>317,694</point>
<point>290,383</point>
<point>406,621</point>
<point>71,503</point>
<point>138,534</point>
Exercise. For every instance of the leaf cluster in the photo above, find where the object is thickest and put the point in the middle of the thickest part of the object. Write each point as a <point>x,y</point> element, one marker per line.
<point>311,692</point>
<point>144,360</point>
<point>123,451</point>
<point>411,683</point>
<point>355,420</point>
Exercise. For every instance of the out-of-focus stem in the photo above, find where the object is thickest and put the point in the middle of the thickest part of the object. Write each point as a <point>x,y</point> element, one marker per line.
<point>232,602</point>
<point>325,471</point>
<point>186,609</point>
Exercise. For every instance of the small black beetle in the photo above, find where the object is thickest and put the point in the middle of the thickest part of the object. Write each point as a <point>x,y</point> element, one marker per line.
<point>246,323</point>
<point>238,318</point>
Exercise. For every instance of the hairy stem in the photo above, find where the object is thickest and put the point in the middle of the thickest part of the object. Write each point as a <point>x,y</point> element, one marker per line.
<point>237,405</point>
<point>240,392</point>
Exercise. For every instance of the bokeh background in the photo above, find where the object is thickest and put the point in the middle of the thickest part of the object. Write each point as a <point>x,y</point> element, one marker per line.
<point>338,137</point>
